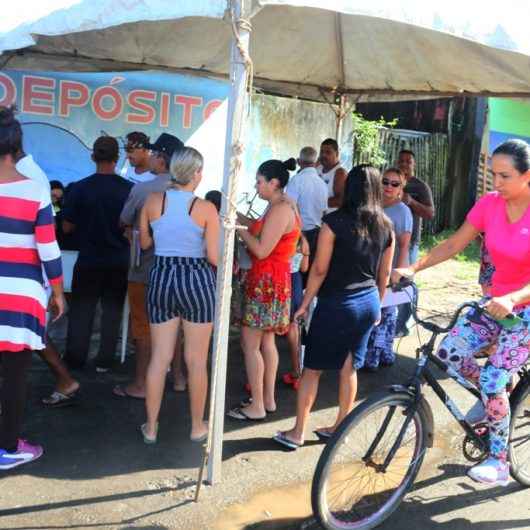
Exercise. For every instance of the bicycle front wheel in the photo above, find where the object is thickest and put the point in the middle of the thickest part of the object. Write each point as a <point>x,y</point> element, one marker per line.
<point>519,445</point>
<point>365,469</point>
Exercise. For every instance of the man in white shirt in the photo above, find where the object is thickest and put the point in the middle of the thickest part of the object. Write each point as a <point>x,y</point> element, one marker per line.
<point>310,193</point>
<point>332,173</point>
<point>138,154</point>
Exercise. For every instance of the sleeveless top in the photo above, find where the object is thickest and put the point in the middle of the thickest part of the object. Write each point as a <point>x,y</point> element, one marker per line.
<point>329,178</point>
<point>175,233</point>
<point>284,250</point>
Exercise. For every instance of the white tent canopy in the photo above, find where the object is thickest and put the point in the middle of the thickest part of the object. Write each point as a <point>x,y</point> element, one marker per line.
<point>356,47</point>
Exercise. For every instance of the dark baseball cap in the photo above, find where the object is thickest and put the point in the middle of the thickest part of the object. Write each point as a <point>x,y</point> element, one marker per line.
<point>166,143</point>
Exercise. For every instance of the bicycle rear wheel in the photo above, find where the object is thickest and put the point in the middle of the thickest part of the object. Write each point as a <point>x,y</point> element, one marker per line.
<point>519,445</point>
<point>350,490</point>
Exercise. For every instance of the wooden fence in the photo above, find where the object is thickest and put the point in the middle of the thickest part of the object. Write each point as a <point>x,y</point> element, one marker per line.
<point>431,153</point>
<point>485,175</point>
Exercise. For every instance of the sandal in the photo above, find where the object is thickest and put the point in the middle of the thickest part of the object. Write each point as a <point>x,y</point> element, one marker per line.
<point>201,438</point>
<point>239,414</point>
<point>281,438</point>
<point>149,440</point>
<point>58,399</point>
<point>248,401</point>
<point>323,434</point>
<point>121,392</point>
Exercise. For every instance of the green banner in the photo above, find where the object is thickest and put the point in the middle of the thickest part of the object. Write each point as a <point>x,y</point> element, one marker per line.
<point>509,116</point>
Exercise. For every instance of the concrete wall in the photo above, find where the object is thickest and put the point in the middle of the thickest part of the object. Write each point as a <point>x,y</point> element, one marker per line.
<point>280,127</point>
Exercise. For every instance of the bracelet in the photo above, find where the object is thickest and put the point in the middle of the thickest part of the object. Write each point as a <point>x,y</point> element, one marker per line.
<point>306,254</point>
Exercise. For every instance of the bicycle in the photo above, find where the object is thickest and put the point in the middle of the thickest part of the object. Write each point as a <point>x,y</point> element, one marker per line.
<point>380,445</point>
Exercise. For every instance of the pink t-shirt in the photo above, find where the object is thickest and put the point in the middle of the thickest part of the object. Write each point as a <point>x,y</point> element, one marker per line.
<point>508,243</point>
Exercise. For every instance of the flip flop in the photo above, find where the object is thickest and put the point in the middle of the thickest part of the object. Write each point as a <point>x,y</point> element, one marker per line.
<point>239,414</point>
<point>248,401</point>
<point>58,399</point>
<point>200,439</point>
<point>119,391</point>
<point>282,439</point>
<point>322,435</point>
<point>149,440</point>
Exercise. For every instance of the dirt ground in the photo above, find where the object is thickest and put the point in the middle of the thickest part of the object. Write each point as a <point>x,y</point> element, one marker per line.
<point>97,473</point>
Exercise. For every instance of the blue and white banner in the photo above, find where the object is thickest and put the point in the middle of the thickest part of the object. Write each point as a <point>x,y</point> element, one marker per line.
<point>63,113</point>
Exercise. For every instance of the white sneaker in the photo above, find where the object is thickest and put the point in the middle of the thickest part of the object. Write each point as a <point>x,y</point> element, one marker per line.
<point>492,471</point>
<point>477,413</point>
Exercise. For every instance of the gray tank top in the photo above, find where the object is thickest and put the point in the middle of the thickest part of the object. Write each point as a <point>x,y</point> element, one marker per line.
<point>175,233</point>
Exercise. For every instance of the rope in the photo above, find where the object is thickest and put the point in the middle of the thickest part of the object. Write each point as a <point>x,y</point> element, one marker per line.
<point>242,24</point>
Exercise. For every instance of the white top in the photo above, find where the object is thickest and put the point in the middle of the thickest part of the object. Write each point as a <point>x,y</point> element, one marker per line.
<point>310,193</point>
<point>131,175</point>
<point>329,178</point>
<point>31,170</point>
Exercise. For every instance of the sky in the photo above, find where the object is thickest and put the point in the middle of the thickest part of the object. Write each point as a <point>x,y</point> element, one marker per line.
<point>22,11</point>
<point>489,21</point>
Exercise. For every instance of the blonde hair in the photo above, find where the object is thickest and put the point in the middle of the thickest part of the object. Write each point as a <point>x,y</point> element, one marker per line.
<point>398,172</point>
<point>184,164</point>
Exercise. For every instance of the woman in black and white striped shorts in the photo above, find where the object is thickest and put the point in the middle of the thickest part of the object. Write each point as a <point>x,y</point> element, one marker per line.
<point>185,232</point>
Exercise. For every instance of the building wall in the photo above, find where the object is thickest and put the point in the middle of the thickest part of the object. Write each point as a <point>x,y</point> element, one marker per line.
<point>280,127</point>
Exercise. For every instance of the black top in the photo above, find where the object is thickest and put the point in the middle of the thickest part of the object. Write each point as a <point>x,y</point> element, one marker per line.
<point>355,259</point>
<point>94,206</point>
<point>419,191</point>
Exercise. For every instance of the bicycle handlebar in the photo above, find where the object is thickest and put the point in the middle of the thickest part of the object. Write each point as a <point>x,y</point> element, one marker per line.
<point>428,325</point>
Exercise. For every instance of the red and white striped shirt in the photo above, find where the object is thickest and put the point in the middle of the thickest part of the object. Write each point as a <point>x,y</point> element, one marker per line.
<point>27,247</point>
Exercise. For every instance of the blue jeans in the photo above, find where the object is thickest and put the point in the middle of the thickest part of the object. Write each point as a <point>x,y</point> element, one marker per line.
<point>405,310</point>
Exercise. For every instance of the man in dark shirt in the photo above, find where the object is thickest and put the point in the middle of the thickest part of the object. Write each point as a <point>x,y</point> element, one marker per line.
<point>418,197</point>
<point>100,273</point>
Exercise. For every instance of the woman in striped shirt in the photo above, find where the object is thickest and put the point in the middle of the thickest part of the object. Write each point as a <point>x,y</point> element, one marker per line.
<point>28,250</point>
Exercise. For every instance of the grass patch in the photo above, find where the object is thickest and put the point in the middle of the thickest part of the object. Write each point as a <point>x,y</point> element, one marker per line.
<point>471,254</point>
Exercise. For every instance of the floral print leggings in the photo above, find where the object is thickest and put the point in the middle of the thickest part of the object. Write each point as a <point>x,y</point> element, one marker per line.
<point>473,332</point>
<point>381,340</point>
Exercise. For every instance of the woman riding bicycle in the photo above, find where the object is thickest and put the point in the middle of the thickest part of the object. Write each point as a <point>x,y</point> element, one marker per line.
<point>504,218</point>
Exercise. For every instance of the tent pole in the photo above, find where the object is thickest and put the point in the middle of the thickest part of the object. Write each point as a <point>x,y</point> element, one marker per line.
<point>340,114</point>
<point>237,107</point>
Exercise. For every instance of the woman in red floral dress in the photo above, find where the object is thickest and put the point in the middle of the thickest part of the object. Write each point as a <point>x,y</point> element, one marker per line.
<point>271,241</point>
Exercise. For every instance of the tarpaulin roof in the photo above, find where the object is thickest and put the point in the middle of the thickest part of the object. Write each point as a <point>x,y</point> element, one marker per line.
<point>378,47</point>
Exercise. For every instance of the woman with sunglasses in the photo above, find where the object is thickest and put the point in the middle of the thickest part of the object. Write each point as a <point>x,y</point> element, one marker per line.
<point>380,352</point>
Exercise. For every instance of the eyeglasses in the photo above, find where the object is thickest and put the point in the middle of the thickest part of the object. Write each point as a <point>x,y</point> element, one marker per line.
<point>392,183</point>
<point>129,148</point>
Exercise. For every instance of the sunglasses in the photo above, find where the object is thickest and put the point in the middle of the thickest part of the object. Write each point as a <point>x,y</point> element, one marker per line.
<point>392,183</point>
<point>129,148</point>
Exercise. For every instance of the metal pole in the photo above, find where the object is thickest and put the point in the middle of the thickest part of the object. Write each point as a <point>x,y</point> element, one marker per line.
<point>237,106</point>
<point>340,114</point>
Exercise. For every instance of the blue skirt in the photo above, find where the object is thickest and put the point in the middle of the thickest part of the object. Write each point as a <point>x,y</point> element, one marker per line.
<point>341,325</point>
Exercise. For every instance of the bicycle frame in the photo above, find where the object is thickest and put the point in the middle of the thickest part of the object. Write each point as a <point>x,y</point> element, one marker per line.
<point>423,374</point>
